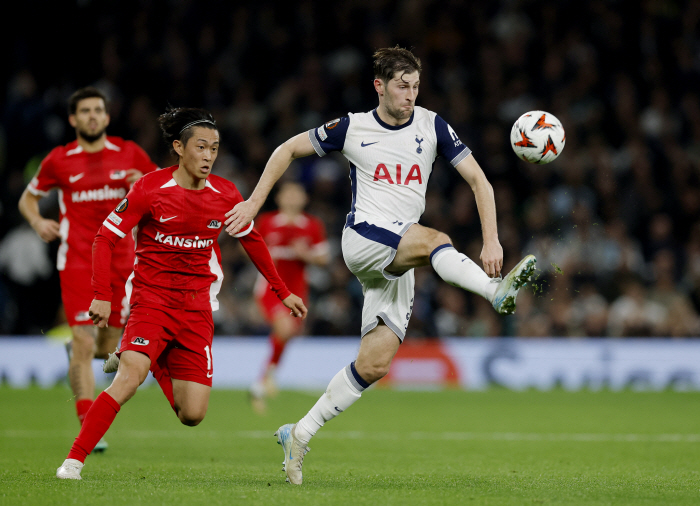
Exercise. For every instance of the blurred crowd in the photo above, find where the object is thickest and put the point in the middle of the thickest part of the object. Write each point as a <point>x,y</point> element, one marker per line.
<point>614,222</point>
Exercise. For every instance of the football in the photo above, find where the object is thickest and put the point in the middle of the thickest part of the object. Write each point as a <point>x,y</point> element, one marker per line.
<point>537,137</point>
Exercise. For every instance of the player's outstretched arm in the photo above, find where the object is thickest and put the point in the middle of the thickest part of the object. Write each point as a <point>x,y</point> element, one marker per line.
<point>492,252</point>
<point>296,305</point>
<point>28,205</point>
<point>244,212</point>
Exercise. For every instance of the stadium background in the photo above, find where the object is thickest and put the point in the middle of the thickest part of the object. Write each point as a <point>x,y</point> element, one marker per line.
<point>615,221</point>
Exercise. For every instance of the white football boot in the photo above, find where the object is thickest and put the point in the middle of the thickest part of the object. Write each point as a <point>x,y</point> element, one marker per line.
<point>70,470</point>
<point>504,298</point>
<point>294,452</point>
<point>112,362</point>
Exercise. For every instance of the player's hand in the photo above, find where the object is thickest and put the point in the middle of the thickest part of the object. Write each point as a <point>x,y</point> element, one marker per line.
<point>133,175</point>
<point>492,258</point>
<point>99,312</point>
<point>301,250</point>
<point>296,305</point>
<point>48,230</point>
<point>239,217</point>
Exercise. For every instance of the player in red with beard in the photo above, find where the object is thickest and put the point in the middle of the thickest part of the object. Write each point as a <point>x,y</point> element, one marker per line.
<point>92,174</point>
<point>178,213</point>
<point>295,239</point>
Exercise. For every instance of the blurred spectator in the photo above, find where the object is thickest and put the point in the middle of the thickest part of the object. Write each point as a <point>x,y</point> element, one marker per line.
<point>451,317</point>
<point>589,313</point>
<point>682,320</point>
<point>27,270</point>
<point>633,314</point>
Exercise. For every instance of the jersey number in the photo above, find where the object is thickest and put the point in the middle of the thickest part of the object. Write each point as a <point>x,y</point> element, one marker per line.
<point>381,172</point>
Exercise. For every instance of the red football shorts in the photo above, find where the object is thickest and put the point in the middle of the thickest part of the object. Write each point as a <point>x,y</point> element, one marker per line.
<point>77,294</point>
<point>175,340</point>
<point>272,308</point>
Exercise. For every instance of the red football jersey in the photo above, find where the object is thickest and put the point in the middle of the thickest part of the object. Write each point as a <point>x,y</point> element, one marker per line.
<point>178,260</point>
<point>280,233</point>
<point>89,186</point>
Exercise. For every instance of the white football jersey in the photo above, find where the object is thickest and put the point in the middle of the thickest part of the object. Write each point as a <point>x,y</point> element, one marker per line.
<point>389,165</point>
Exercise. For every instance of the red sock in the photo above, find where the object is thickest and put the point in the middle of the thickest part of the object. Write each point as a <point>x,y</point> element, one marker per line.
<point>277,349</point>
<point>95,425</point>
<point>166,384</point>
<point>82,406</point>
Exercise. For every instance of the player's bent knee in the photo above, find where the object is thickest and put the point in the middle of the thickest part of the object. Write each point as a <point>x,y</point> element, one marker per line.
<point>190,419</point>
<point>189,412</point>
<point>429,240</point>
<point>372,373</point>
<point>375,375</point>
<point>191,422</point>
<point>440,238</point>
<point>123,387</point>
<point>128,383</point>
<point>129,377</point>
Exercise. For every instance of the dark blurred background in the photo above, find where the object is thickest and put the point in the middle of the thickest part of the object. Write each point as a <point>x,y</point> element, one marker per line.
<point>614,222</point>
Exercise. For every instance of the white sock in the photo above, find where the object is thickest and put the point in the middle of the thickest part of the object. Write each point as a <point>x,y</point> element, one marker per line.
<point>458,270</point>
<point>343,390</point>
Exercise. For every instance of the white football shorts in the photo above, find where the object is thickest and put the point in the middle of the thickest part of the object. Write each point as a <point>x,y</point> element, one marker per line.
<point>368,248</point>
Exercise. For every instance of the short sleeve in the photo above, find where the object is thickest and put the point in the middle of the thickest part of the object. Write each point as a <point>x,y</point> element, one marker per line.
<point>142,161</point>
<point>129,211</point>
<point>448,144</point>
<point>45,177</point>
<point>330,136</point>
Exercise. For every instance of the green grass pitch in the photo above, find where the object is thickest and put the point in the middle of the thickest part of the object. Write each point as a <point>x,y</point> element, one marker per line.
<point>392,447</point>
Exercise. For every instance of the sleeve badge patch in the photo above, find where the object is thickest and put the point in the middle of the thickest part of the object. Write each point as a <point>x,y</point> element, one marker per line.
<point>114,218</point>
<point>122,206</point>
<point>332,124</point>
<point>322,133</point>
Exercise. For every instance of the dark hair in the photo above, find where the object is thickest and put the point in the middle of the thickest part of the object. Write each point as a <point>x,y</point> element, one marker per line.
<point>82,94</point>
<point>176,123</point>
<point>390,60</point>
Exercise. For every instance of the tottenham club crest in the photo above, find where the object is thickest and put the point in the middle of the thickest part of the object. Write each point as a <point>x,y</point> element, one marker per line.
<point>419,149</point>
